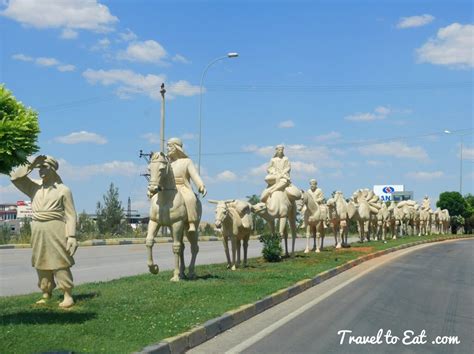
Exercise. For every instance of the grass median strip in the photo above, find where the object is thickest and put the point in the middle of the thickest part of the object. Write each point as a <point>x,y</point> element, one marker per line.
<point>130,313</point>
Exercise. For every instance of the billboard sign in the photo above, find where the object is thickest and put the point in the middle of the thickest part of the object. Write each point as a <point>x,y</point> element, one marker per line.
<point>23,209</point>
<point>384,191</point>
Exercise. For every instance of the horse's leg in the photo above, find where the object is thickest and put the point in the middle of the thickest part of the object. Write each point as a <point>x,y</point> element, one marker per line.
<point>292,222</point>
<point>177,234</point>
<point>308,235</point>
<point>193,241</point>
<point>284,232</point>
<point>153,228</point>
<point>238,251</point>
<point>246,246</point>
<point>319,227</point>
<point>225,241</point>
<point>182,266</point>
<point>233,241</point>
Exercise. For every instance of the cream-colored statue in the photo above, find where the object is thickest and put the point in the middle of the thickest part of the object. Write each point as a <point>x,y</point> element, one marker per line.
<point>315,216</point>
<point>53,228</point>
<point>278,199</point>
<point>174,204</point>
<point>404,213</point>
<point>234,219</point>
<point>339,218</point>
<point>442,220</point>
<point>425,214</point>
<point>364,208</point>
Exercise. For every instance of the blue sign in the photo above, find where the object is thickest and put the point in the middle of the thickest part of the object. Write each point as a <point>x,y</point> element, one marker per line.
<point>388,190</point>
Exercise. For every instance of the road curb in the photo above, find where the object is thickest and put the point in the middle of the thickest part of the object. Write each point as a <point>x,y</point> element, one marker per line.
<point>213,327</point>
<point>131,241</point>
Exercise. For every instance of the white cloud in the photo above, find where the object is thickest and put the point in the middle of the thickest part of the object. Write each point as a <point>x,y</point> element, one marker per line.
<point>415,21</point>
<point>152,138</point>
<point>85,172</point>
<point>226,176</point>
<point>331,136</point>
<point>396,149</point>
<point>81,137</point>
<point>67,67</point>
<point>42,61</point>
<point>379,113</point>
<point>188,136</point>
<point>69,14</point>
<point>322,156</point>
<point>45,62</point>
<point>425,176</point>
<point>68,33</point>
<point>453,46</point>
<point>260,170</point>
<point>10,194</point>
<point>22,57</point>
<point>102,44</point>
<point>286,124</point>
<point>178,58</point>
<point>302,169</point>
<point>127,36</point>
<point>146,52</point>
<point>468,153</point>
<point>129,83</point>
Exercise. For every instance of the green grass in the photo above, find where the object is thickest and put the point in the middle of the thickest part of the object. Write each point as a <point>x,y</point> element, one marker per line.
<point>127,314</point>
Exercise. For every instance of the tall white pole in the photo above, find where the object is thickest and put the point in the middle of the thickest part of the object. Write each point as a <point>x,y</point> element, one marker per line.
<point>229,55</point>
<point>162,130</point>
<point>460,165</point>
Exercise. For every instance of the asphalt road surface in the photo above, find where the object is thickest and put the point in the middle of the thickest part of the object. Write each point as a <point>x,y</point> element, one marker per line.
<point>101,263</point>
<point>427,288</point>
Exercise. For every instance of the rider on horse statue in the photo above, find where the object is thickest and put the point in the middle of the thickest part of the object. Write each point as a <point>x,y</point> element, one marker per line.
<point>184,171</point>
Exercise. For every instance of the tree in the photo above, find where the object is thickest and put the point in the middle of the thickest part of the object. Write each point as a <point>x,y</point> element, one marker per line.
<point>85,224</point>
<point>259,224</point>
<point>19,131</point>
<point>110,215</point>
<point>456,205</point>
<point>453,201</point>
<point>469,215</point>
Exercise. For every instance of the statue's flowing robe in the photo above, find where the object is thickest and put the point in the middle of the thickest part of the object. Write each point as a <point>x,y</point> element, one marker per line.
<point>54,219</point>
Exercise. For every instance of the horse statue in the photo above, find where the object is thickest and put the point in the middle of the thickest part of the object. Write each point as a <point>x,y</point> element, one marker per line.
<point>383,222</point>
<point>233,217</point>
<point>363,212</point>
<point>442,220</point>
<point>315,217</point>
<point>404,213</point>
<point>168,210</point>
<point>339,218</point>
<point>279,207</point>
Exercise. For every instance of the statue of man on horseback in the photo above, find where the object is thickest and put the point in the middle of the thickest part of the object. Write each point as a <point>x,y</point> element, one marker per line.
<point>184,171</point>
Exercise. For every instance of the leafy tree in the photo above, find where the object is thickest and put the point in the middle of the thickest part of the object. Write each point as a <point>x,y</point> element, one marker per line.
<point>85,224</point>
<point>454,202</point>
<point>19,131</point>
<point>110,214</point>
<point>25,231</point>
<point>469,215</point>
<point>259,223</point>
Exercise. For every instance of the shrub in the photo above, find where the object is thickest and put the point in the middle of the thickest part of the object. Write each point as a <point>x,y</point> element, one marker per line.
<point>272,250</point>
<point>19,131</point>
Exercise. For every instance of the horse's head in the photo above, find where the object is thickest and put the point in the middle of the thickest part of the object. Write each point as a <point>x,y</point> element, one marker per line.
<point>158,168</point>
<point>259,208</point>
<point>222,210</point>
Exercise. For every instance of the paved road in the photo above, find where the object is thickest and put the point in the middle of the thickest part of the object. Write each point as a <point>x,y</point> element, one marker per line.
<point>100,263</point>
<point>430,288</point>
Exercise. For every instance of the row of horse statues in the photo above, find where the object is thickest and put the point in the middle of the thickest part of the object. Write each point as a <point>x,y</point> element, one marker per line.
<point>375,220</point>
<point>173,205</point>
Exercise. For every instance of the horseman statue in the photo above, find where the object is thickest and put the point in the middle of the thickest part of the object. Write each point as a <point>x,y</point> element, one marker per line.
<point>184,171</point>
<point>278,178</point>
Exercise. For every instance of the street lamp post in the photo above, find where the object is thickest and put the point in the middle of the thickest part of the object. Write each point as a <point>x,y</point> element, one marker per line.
<point>460,157</point>
<point>229,55</point>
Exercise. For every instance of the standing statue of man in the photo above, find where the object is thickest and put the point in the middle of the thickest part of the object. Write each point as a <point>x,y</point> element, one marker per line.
<point>184,171</point>
<point>278,170</point>
<point>53,228</point>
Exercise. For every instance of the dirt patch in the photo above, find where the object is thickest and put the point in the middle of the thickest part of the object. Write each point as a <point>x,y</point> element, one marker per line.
<point>356,249</point>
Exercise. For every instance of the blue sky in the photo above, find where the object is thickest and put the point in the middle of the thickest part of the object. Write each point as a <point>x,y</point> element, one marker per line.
<point>359,92</point>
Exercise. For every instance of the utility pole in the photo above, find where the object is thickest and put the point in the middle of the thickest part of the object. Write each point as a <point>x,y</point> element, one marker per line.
<point>162,132</point>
